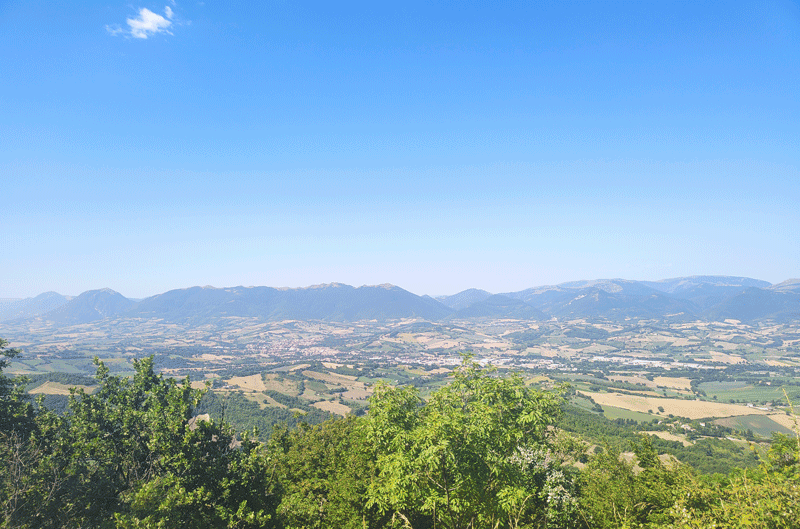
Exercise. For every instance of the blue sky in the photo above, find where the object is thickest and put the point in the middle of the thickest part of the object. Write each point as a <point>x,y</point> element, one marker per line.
<point>159,145</point>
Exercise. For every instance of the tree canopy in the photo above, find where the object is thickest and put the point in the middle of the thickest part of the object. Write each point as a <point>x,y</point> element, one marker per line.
<point>481,452</point>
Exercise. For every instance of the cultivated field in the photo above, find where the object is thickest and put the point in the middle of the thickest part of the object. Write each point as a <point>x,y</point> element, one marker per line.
<point>762,425</point>
<point>280,384</point>
<point>789,422</point>
<point>673,382</point>
<point>691,409</point>
<point>332,406</point>
<point>250,383</point>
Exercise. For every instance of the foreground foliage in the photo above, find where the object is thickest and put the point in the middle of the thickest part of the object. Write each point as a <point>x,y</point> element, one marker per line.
<point>475,455</point>
<point>482,452</point>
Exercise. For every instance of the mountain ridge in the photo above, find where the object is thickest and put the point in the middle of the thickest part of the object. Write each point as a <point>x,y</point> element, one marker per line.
<point>687,298</point>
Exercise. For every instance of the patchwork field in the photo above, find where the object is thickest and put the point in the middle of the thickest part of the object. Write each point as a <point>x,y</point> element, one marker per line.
<point>280,384</point>
<point>790,422</point>
<point>332,406</point>
<point>331,378</point>
<point>631,369</point>
<point>612,412</point>
<point>250,383</point>
<point>673,382</point>
<point>357,394</point>
<point>762,425</point>
<point>743,391</point>
<point>691,409</point>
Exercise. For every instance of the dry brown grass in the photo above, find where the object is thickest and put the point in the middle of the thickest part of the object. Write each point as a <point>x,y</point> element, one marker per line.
<point>332,406</point>
<point>357,394</point>
<point>674,382</point>
<point>787,421</point>
<point>281,385</point>
<point>332,378</point>
<point>691,409</point>
<point>331,365</point>
<point>726,358</point>
<point>777,363</point>
<point>250,383</point>
<point>56,388</point>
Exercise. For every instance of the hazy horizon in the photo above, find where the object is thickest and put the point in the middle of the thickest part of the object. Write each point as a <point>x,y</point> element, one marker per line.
<point>434,294</point>
<point>147,147</point>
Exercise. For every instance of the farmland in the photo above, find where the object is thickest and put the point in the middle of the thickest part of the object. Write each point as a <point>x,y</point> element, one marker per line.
<point>690,409</point>
<point>639,372</point>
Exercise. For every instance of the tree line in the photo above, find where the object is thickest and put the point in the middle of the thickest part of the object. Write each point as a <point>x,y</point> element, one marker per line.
<point>481,452</point>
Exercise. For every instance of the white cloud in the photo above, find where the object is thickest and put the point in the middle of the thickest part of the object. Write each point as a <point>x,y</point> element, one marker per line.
<point>115,30</point>
<point>145,25</point>
<point>148,23</point>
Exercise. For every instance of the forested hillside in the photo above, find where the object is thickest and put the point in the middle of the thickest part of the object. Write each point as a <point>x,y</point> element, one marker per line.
<point>483,451</point>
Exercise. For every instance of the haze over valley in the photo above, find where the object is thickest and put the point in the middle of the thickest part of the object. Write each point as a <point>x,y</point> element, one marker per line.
<point>496,221</point>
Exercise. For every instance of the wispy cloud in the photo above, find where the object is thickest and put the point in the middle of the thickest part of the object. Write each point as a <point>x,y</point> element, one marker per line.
<point>145,25</point>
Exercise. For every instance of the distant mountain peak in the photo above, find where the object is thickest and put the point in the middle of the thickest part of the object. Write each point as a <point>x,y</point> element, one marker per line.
<point>691,297</point>
<point>789,284</point>
<point>90,306</point>
<point>465,298</point>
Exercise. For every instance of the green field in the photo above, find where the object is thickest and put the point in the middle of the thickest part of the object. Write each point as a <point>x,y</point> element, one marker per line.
<point>582,402</point>
<point>760,425</point>
<point>612,413</point>
<point>742,391</point>
<point>316,385</point>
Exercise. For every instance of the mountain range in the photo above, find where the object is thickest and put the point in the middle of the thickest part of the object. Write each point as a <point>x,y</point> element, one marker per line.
<point>678,299</point>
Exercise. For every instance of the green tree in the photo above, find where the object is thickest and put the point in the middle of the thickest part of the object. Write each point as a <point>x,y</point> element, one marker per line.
<point>458,460</point>
<point>128,456</point>
<point>766,497</point>
<point>118,437</point>
<point>324,471</point>
<point>210,480</point>
<point>16,411</point>
<point>616,493</point>
<point>15,425</point>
